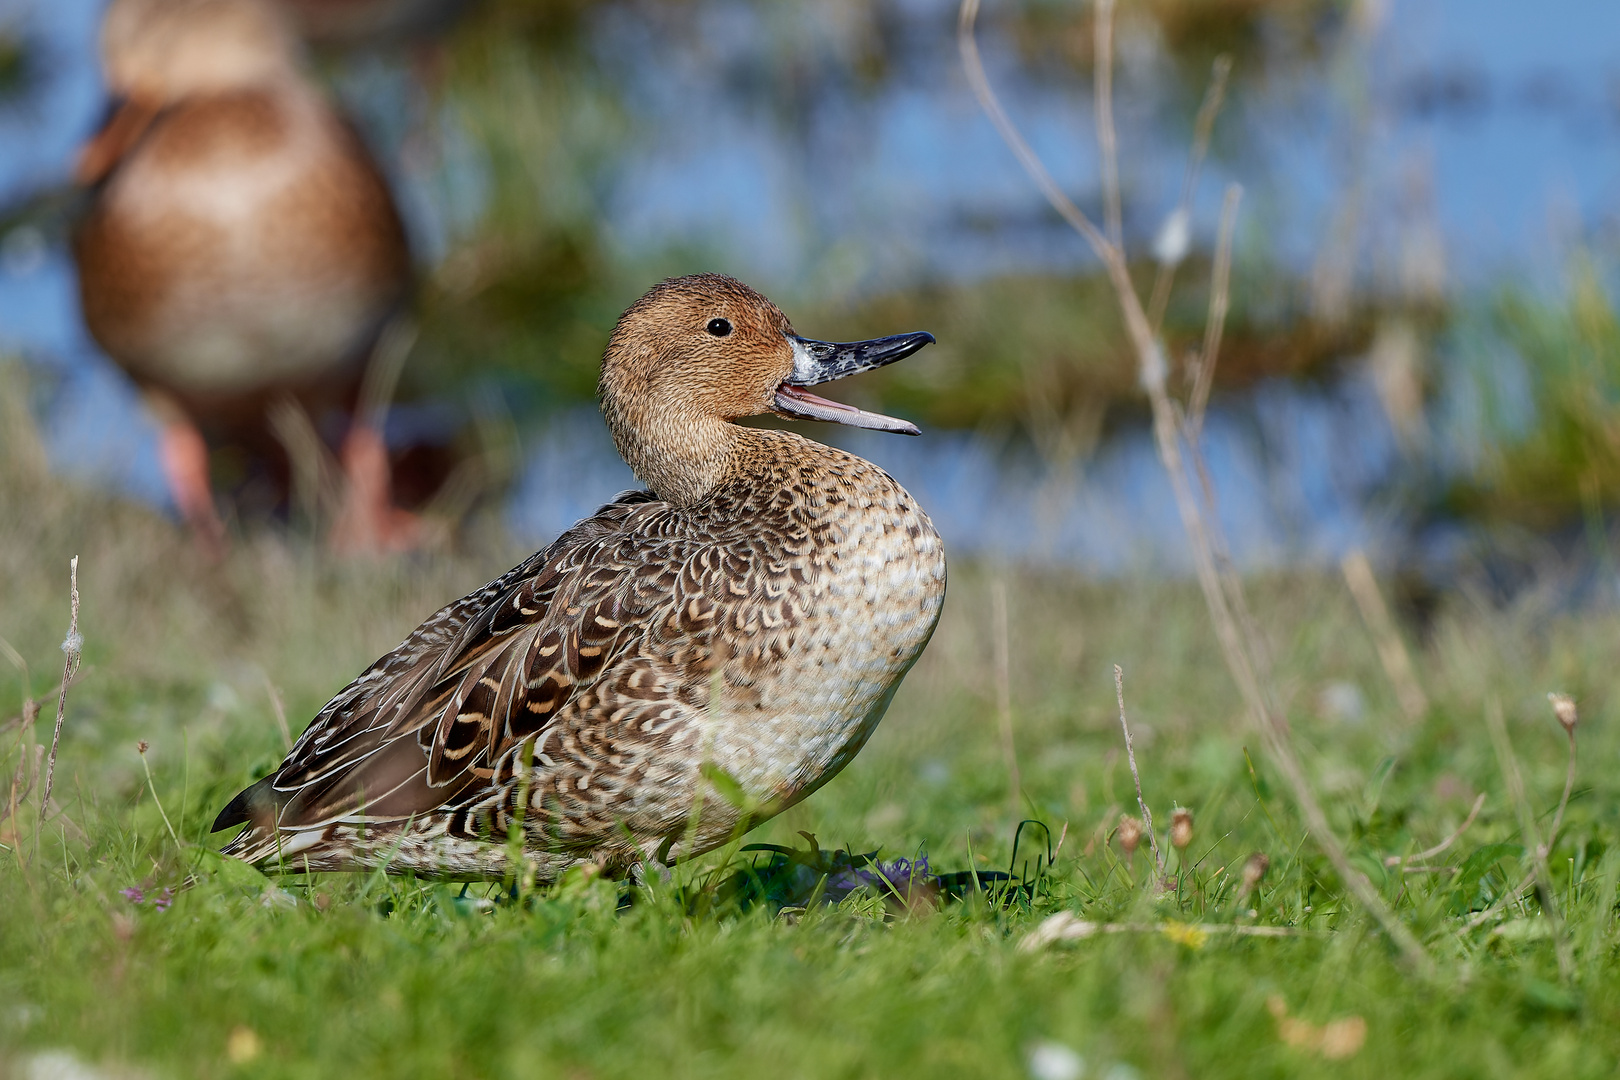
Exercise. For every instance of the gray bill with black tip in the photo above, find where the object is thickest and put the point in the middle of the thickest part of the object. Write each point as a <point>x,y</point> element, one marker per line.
<point>823,361</point>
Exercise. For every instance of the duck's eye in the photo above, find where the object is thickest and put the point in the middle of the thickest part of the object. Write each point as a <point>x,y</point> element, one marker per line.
<point>719,327</point>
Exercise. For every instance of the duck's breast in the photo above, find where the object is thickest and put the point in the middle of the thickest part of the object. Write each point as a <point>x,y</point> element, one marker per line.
<point>870,606</point>
<point>246,241</point>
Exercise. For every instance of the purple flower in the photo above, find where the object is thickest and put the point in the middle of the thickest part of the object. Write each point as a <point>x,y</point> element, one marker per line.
<point>133,894</point>
<point>164,900</point>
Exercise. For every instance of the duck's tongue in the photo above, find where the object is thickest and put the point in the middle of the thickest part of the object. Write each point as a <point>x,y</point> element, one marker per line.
<point>823,361</point>
<point>803,405</point>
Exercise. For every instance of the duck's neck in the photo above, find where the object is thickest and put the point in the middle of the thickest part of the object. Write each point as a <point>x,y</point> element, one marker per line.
<point>682,458</point>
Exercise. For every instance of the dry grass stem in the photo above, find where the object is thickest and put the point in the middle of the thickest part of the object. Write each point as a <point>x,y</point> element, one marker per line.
<point>1003,663</point>
<point>1220,289</point>
<point>382,373</point>
<point>1511,776</point>
<point>1223,594</point>
<point>73,647</point>
<point>1392,652</point>
<point>1130,756</point>
<point>1031,163</point>
<point>1113,216</point>
<point>279,711</point>
<point>1564,709</point>
<point>1429,853</point>
<point>316,489</point>
<point>1214,95</point>
<point>140,748</point>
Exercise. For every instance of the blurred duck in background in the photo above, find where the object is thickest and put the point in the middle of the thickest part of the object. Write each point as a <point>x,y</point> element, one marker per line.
<point>241,255</point>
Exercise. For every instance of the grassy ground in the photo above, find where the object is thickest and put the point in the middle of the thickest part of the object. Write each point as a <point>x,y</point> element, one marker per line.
<point>365,977</point>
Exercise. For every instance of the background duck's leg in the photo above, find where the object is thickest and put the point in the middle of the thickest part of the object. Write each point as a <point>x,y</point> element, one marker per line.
<point>185,465</point>
<point>369,521</point>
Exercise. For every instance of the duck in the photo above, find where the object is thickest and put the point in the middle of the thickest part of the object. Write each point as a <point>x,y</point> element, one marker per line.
<point>239,247</point>
<point>693,658</point>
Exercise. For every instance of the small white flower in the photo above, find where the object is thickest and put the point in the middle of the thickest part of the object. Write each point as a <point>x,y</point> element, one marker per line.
<point>1175,237</point>
<point>1054,1061</point>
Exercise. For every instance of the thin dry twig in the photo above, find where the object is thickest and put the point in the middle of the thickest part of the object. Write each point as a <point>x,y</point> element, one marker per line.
<point>1396,860</point>
<point>73,646</point>
<point>1009,751</point>
<point>140,748</point>
<point>1511,776</point>
<point>1015,141</point>
<point>1234,627</point>
<point>381,379</point>
<point>1567,720</point>
<point>1130,755</point>
<point>1113,217</point>
<point>1180,218</point>
<point>1219,301</point>
<point>1392,652</point>
<point>1564,710</point>
<point>316,489</point>
<point>280,712</point>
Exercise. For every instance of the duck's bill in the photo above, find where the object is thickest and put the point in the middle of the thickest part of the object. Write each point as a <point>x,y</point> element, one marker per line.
<point>823,361</point>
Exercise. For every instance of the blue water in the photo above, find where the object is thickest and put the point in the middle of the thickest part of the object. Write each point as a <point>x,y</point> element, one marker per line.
<point>1497,130</point>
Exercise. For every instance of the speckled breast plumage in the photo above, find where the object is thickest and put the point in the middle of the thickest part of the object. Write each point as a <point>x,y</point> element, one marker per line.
<point>663,671</point>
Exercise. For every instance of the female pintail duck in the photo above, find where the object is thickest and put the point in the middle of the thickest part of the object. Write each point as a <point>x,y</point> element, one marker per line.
<point>687,662</point>
<point>240,243</point>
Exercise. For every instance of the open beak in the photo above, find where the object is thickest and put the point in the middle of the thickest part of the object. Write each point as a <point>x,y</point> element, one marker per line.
<point>823,361</point>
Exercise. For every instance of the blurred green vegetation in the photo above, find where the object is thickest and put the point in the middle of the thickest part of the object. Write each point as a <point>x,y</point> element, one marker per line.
<point>1047,355</point>
<point>1546,372</point>
<point>532,286</point>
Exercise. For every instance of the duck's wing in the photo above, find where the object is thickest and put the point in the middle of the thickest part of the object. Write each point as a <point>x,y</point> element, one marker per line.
<point>439,714</point>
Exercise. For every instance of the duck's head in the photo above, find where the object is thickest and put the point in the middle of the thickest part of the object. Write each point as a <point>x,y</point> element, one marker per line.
<point>697,352</point>
<point>160,51</point>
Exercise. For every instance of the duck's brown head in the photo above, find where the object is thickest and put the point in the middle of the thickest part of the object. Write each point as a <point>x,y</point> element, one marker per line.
<point>697,352</point>
<point>160,51</point>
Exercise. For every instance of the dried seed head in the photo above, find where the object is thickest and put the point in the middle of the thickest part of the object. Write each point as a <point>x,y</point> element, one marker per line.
<point>1181,828</point>
<point>1254,869</point>
<point>140,748</point>
<point>1564,708</point>
<point>1130,834</point>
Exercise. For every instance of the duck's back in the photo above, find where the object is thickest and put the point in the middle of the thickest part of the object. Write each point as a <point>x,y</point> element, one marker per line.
<point>245,240</point>
<point>760,633</point>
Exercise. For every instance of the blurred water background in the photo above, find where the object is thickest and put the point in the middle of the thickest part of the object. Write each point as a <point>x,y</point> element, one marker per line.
<point>1422,350</point>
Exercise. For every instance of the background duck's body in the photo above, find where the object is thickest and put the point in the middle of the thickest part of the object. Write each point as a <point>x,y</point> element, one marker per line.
<point>246,245</point>
<point>240,244</point>
<point>666,668</point>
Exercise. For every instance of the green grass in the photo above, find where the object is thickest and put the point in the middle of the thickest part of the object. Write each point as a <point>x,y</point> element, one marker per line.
<point>358,976</point>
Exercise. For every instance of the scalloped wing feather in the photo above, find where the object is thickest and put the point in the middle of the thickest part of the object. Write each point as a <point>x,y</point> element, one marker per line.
<point>452,705</point>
